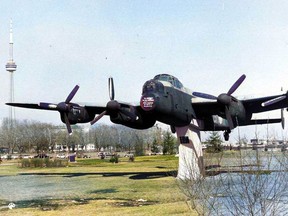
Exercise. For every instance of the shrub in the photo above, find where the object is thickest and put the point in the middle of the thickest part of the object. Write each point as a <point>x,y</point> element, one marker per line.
<point>37,162</point>
<point>131,158</point>
<point>114,159</point>
<point>25,163</point>
<point>59,163</point>
<point>43,162</point>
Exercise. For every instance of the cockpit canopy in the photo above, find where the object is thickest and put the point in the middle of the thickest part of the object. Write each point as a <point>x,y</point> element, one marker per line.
<point>171,79</point>
<point>155,85</point>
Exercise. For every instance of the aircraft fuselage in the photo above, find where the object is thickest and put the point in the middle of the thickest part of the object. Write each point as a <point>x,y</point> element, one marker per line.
<point>167,103</point>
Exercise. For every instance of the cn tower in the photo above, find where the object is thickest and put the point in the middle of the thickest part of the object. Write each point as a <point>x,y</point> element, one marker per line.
<point>11,68</point>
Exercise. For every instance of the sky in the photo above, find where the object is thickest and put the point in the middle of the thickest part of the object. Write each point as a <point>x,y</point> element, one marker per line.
<point>207,44</point>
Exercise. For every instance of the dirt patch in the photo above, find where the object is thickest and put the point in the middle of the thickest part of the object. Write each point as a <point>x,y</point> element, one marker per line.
<point>46,205</point>
<point>133,203</point>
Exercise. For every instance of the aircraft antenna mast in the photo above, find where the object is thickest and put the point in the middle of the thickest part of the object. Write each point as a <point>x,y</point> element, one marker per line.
<point>11,68</point>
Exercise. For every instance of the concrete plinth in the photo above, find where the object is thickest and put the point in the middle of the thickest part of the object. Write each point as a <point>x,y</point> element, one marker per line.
<point>191,165</point>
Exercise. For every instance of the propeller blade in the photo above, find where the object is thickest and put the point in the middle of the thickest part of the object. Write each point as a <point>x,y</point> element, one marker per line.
<point>69,129</point>
<point>111,88</point>
<point>273,101</point>
<point>282,119</point>
<point>229,118</point>
<point>204,95</point>
<point>97,118</point>
<point>45,105</point>
<point>236,84</point>
<point>72,94</point>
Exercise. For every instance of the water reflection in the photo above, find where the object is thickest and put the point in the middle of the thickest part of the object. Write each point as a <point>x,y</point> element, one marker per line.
<point>250,183</point>
<point>31,187</point>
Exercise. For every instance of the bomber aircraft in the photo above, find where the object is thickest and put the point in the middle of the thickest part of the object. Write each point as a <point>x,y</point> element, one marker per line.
<point>165,99</point>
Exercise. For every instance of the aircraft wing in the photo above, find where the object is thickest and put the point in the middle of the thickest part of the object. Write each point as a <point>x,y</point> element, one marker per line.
<point>91,108</point>
<point>256,105</point>
<point>98,109</point>
<point>29,106</point>
<point>73,113</point>
<point>207,108</point>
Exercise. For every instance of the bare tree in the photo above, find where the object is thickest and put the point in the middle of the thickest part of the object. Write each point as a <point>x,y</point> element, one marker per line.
<point>23,136</point>
<point>249,184</point>
<point>28,136</point>
<point>7,135</point>
<point>118,137</point>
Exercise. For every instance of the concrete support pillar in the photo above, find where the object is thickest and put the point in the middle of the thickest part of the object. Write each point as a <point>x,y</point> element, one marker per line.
<point>191,165</point>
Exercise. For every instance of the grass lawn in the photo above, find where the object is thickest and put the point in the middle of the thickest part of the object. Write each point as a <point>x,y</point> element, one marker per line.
<point>143,187</point>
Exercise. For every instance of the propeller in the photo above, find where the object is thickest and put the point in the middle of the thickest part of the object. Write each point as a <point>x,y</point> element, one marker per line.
<point>62,107</point>
<point>113,105</point>
<point>224,98</point>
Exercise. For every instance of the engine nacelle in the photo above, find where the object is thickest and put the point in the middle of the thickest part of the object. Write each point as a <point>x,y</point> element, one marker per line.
<point>78,114</point>
<point>141,121</point>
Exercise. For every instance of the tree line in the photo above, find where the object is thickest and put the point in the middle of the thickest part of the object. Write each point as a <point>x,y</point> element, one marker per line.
<point>37,137</point>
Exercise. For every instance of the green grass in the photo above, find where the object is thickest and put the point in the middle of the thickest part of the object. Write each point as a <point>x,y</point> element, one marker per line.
<point>105,188</point>
<point>108,189</point>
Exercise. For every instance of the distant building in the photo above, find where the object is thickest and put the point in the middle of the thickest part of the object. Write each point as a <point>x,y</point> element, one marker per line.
<point>263,142</point>
<point>87,147</point>
<point>90,147</point>
<point>269,145</point>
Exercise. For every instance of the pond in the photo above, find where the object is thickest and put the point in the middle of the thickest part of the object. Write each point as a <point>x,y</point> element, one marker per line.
<point>22,189</point>
<point>253,184</point>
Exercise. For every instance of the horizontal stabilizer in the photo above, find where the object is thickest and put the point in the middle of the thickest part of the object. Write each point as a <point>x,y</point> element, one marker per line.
<point>262,121</point>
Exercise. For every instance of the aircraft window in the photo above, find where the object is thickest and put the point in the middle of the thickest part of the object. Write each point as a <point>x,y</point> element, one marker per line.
<point>152,86</point>
<point>178,84</point>
<point>168,78</point>
<point>149,86</point>
<point>157,77</point>
<point>160,87</point>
